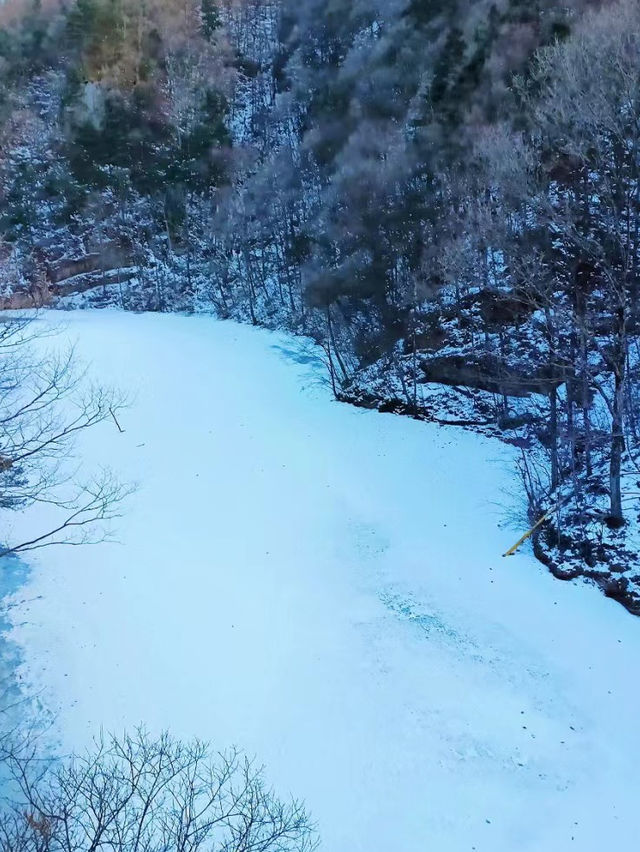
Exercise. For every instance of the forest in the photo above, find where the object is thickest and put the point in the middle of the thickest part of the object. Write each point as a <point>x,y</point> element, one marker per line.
<point>443,195</point>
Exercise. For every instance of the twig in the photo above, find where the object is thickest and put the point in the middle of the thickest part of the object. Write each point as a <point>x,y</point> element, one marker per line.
<point>115,420</point>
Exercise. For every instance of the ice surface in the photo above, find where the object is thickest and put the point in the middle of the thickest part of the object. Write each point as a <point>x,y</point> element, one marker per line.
<point>324,587</point>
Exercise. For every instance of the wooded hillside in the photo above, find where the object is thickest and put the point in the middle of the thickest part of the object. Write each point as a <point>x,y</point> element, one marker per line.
<point>443,194</point>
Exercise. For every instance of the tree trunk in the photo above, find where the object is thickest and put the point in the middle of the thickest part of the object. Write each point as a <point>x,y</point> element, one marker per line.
<point>617,448</point>
<point>553,426</point>
<point>616,517</point>
<point>332,341</point>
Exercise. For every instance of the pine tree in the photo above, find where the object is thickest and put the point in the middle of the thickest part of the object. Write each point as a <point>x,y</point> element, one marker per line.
<point>211,20</point>
<point>423,12</point>
<point>448,65</point>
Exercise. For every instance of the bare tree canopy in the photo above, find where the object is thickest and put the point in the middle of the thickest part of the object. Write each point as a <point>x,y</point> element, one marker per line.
<point>143,794</point>
<point>45,403</point>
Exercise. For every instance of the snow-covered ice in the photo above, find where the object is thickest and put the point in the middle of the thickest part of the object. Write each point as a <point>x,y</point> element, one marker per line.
<point>324,587</point>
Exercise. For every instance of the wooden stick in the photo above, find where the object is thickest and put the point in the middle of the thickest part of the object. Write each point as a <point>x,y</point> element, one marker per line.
<point>520,542</point>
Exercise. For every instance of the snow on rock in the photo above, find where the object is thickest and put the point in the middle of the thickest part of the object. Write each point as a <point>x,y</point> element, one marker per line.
<point>324,587</point>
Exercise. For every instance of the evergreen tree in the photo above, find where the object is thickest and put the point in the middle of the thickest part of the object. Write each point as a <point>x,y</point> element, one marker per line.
<point>448,67</point>
<point>211,20</point>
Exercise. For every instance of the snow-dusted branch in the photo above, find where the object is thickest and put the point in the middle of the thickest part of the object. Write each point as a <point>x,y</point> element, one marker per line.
<point>45,403</point>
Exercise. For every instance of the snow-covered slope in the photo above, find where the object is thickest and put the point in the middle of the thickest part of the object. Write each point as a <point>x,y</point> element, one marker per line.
<point>324,587</point>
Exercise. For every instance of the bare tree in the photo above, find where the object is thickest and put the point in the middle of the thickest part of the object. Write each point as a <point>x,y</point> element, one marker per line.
<point>137,794</point>
<point>45,403</point>
<point>588,112</point>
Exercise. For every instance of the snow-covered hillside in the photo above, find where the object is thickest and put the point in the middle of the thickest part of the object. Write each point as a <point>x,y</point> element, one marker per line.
<point>324,587</point>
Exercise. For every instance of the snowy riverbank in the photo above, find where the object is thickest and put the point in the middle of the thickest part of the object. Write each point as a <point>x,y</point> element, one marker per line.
<point>324,586</point>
